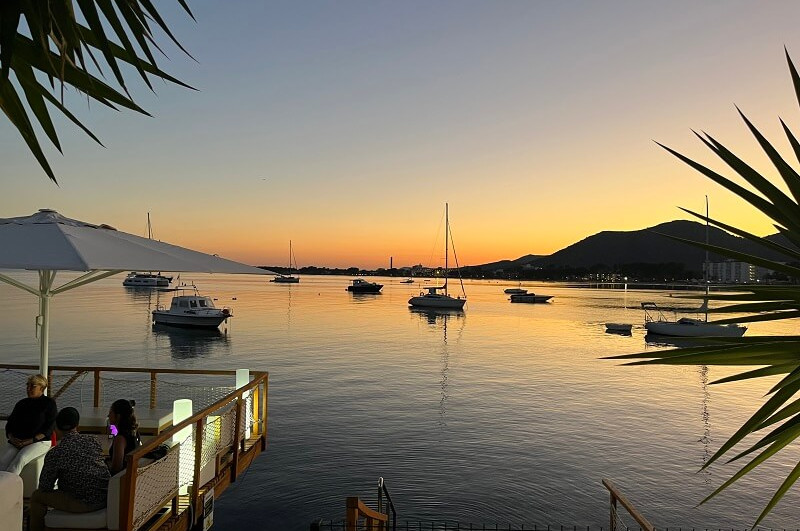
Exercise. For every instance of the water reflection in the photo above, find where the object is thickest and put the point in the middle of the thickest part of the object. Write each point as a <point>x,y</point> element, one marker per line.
<point>186,343</point>
<point>435,317</point>
<point>657,340</point>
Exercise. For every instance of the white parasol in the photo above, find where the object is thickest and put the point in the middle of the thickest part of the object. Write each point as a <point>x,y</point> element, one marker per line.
<point>48,242</point>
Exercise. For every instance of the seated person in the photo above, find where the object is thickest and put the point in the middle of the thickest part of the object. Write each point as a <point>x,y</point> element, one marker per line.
<point>29,428</point>
<point>126,434</point>
<point>77,464</point>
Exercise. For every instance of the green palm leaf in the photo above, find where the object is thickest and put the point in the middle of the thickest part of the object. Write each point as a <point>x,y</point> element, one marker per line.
<point>769,356</point>
<point>54,44</point>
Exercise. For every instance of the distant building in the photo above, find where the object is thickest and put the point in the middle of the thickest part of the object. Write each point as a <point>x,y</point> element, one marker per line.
<point>733,272</point>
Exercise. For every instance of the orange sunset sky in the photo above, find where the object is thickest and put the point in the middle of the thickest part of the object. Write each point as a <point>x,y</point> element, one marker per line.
<point>346,126</point>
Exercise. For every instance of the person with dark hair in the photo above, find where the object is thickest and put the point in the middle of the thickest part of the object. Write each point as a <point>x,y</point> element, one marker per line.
<point>29,427</point>
<point>126,434</point>
<point>77,464</point>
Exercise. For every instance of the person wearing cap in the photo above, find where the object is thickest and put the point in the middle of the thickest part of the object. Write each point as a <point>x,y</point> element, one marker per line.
<point>29,427</point>
<point>77,464</point>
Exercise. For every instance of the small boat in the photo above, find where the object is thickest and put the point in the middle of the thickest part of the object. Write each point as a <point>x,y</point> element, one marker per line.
<point>191,311</point>
<point>288,279</point>
<point>656,323</point>
<point>359,285</point>
<point>407,281</point>
<point>530,298</point>
<point>516,291</point>
<point>146,280</point>
<point>434,299</point>
<point>619,328</point>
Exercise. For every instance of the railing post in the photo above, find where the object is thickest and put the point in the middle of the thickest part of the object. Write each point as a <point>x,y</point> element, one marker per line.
<point>351,515</point>
<point>96,388</point>
<point>153,389</point>
<point>265,421</point>
<point>612,524</point>
<point>237,434</point>
<point>128,495</point>
<point>199,437</point>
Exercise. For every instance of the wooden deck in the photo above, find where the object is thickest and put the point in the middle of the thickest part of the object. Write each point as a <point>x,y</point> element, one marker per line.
<point>208,450</point>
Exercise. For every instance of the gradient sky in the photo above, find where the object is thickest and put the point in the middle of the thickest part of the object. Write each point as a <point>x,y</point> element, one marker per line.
<point>346,126</point>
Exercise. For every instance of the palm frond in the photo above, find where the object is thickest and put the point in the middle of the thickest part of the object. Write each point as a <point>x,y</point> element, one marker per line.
<point>56,46</point>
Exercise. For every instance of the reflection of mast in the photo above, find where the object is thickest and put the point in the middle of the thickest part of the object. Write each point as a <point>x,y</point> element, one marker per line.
<point>289,308</point>
<point>445,360</point>
<point>706,418</point>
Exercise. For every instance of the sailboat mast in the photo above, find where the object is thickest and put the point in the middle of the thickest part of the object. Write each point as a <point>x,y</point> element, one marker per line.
<point>290,257</point>
<point>446,236</point>
<point>149,228</point>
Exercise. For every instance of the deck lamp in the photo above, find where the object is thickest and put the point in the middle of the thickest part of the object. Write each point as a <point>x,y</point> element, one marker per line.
<point>242,379</point>
<point>182,410</point>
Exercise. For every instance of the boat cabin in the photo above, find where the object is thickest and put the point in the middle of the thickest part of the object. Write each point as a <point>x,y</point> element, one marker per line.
<point>182,303</point>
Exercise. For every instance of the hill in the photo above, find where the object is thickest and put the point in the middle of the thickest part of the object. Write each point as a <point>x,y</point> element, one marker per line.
<point>645,246</point>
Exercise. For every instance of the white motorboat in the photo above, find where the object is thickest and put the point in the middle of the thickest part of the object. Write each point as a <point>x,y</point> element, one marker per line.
<point>434,299</point>
<point>288,279</point>
<point>407,281</point>
<point>530,298</point>
<point>655,322</point>
<point>191,311</point>
<point>146,280</point>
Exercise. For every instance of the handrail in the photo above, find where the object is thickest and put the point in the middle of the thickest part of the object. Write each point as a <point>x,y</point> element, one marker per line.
<point>356,509</point>
<point>382,490</point>
<point>98,370</point>
<point>616,495</point>
<point>240,451</point>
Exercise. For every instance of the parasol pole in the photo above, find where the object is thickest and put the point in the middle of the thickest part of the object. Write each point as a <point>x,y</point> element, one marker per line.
<point>46,278</point>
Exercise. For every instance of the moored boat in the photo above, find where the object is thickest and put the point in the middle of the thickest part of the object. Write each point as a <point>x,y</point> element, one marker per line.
<point>515,291</point>
<point>359,285</point>
<point>619,328</point>
<point>191,311</point>
<point>434,299</point>
<point>146,280</point>
<point>530,298</point>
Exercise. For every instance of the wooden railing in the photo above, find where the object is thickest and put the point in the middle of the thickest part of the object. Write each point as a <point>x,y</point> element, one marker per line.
<point>617,496</point>
<point>239,450</point>
<point>373,520</point>
<point>244,448</point>
<point>98,371</point>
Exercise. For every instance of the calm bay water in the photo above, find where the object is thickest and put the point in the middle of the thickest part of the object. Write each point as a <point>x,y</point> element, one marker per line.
<point>503,413</point>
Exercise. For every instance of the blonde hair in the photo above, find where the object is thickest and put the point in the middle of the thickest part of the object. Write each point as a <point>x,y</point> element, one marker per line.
<point>38,380</point>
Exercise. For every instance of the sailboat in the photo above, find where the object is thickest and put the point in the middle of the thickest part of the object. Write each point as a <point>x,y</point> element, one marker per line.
<point>146,280</point>
<point>433,298</point>
<point>656,323</point>
<point>288,279</point>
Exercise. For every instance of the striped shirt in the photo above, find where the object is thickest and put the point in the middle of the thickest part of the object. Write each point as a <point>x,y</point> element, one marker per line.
<point>77,463</point>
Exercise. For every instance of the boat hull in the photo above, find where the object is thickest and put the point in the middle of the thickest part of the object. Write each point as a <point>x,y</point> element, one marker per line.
<point>285,280</point>
<point>376,288</point>
<point>146,282</point>
<point>530,298</point>
<point>188,320</point>
<point>619,327</point>
<point>516,291</point>
<point>674,329</point>
<point>436,301</point>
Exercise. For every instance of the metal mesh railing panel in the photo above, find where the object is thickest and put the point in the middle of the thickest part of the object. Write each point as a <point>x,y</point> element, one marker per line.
<point>156,484</point>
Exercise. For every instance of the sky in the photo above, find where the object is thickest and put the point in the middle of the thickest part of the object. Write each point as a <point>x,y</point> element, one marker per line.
<point>345,126</point>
